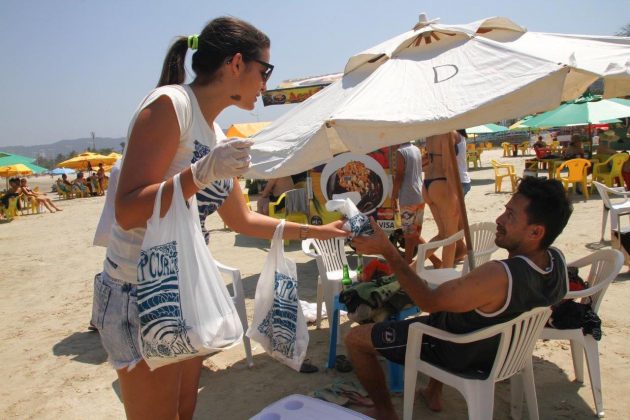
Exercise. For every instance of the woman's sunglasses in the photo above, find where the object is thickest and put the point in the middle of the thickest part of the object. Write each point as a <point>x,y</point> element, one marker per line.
<point>269,69</point>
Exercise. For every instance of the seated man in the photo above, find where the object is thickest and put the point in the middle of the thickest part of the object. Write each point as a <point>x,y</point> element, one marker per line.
<point>574,150</point>
<point>533,275</point>
<point>80,184</point>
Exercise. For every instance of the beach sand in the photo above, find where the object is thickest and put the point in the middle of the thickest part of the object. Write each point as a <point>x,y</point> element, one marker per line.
<point>53,367</point>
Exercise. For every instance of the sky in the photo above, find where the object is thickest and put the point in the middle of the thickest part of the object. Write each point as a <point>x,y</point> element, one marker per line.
<point>72,67</point>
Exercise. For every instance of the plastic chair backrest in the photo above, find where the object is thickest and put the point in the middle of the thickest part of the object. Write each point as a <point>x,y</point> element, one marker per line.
<point>577,169</point>
<point>604,191</point>
<point>517,342</point>
<point>482,236</point>
<point>618,160</point>
<point>332,252</point>
<point>605,266</point>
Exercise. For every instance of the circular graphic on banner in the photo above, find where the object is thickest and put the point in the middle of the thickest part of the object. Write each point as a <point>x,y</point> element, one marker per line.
<point>358,176</point>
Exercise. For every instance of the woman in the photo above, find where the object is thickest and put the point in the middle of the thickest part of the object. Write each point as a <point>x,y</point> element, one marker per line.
<point>440,189</point>
<point>172,132</point>
<point>273,189</point>
<point>40,198</point>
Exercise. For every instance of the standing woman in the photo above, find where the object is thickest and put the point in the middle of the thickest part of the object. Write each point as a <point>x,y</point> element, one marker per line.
<point>173,132</point>
<point>440,189</point>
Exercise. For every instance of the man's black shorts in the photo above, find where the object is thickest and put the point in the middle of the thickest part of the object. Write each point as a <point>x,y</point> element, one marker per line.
<point>390,339</point>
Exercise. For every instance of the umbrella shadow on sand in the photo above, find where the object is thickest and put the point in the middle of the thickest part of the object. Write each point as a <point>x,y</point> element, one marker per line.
<point>83,347</point>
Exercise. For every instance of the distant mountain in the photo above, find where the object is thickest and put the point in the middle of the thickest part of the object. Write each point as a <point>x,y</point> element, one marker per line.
<point>50,151</point>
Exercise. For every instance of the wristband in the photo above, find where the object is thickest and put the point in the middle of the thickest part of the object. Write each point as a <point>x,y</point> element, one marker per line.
<point>304,231</point>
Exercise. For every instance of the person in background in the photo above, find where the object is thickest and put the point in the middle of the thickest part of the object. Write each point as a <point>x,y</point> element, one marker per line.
<point>274,188</point>
<point>407,196</point>
<point>464,177</point>
<point>100,176</point>
<point>439,191</point>
<point>533,275</point>
<point>39,198</point>
<point>574,150</point>
<point>173,132</point>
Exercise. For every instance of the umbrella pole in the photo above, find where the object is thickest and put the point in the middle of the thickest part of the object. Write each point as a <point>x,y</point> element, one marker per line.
<point>462,210</point>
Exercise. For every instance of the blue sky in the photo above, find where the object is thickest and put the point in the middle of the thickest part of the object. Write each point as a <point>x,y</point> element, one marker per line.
<point>70,67</point>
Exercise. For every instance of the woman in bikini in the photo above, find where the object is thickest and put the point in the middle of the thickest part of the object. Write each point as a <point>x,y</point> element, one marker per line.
<point>440,189</point>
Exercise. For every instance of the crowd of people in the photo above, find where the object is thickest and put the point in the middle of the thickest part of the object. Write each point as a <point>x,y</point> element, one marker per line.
<point>93,185</point>
<point>23,197</point>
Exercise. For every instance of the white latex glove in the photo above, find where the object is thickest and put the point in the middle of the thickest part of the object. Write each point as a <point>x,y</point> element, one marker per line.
<point>228,159</point>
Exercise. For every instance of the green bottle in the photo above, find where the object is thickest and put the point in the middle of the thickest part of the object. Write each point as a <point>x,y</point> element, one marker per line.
<point>360,267</point>
<point>346,281</point>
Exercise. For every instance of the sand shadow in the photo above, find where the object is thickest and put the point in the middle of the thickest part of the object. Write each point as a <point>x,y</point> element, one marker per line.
<point>596,246</point>
<point>478,182</point>
<point>307,277</point>
<point>83,347</point>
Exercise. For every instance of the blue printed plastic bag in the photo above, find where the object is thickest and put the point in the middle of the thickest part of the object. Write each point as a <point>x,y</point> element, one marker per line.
<point>279,324</point>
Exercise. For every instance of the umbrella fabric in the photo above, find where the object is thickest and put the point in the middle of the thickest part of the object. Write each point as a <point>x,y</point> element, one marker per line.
<point>486,129</point>
<point>61,171</point>
<point>435,79</point>
<point>81,161</point>
<point>587,110</point>
<point>15,170</point>
<point>245,129</point>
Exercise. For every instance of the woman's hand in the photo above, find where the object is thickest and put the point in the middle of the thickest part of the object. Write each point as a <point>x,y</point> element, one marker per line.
<point>329,231</point>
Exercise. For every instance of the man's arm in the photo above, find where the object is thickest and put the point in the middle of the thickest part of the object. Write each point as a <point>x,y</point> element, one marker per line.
<point>485,288</point>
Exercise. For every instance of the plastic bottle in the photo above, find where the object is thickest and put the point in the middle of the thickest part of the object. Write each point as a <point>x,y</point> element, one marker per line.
<point>360,267</point>
<point>346,281</point>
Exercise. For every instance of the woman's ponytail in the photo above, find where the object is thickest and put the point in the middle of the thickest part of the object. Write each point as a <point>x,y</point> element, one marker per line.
<point>173,70</point>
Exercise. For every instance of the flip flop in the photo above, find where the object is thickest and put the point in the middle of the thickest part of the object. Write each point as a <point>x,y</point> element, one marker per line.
<point>350,386</point>
<point>342,364</point>
<point>327,394</point>
<point>353,393</point>
<point>308,367</point>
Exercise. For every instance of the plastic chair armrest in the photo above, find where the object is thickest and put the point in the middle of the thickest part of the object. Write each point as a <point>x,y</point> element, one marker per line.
<point>306,248</point>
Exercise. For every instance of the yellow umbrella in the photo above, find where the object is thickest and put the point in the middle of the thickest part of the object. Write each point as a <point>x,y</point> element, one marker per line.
<point>81,161</point>
<point>115,155</point>
<point>13,170</point>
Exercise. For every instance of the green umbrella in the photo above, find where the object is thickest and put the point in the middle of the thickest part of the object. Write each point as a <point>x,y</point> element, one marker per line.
<point>486,129</point>
<point>582,111</point>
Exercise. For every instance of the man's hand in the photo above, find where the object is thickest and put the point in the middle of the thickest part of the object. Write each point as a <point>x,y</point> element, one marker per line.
<point>376,244</point>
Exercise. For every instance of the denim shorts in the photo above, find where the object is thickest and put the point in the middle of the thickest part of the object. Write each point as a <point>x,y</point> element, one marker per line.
<point>115,315</point>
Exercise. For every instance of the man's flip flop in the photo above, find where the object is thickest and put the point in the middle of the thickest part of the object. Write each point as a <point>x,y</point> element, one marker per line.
<point>342,364</point>
<point>327,394</point>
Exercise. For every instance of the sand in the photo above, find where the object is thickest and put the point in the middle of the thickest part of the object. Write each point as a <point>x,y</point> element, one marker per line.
<point>53,367</point>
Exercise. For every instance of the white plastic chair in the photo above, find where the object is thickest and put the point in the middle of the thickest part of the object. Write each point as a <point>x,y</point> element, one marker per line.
<point>616,209</point>
<point>482,235</point>
<point>437,276</point>
<point>239,302</point>
<point>513,360</point>
<point>483,246</point>
<point>330,256</point>
<point>605,265</point>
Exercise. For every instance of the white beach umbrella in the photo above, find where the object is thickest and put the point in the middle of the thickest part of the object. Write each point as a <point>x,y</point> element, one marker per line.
<point>436,78</point>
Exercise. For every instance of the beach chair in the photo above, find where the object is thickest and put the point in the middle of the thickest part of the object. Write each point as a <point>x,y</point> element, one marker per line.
<point>577,174</point>
<point>482,237</point>
<point>11,210</point>
<point>238,297</point>
<point>437,276</point>
<point>615,208</point>
<point>524,147</point>
<point>503,170</point>
<point>609,171</point>
<point>506,149</point>
<point>330,256</point>
<point>295,207</point>
<point>513,361</point>
<point>604,268</point>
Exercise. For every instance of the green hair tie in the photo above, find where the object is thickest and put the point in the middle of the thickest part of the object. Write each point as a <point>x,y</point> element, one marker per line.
<point>193,42</point>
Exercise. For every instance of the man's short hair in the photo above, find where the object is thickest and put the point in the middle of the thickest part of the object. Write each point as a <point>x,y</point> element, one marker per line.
<point>548,206</point>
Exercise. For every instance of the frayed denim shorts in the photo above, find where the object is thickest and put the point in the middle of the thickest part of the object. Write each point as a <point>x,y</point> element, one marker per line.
<point>115,315</point>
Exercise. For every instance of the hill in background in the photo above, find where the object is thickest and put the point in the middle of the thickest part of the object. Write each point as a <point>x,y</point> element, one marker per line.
<point>50,151</point>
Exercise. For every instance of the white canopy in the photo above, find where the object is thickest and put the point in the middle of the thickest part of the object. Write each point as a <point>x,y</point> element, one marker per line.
<point>434,79</point>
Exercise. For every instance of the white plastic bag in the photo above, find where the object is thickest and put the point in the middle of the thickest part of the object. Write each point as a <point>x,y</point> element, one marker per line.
<point>279,324</point>
<point>185,308</point>
<point>357,223</point>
